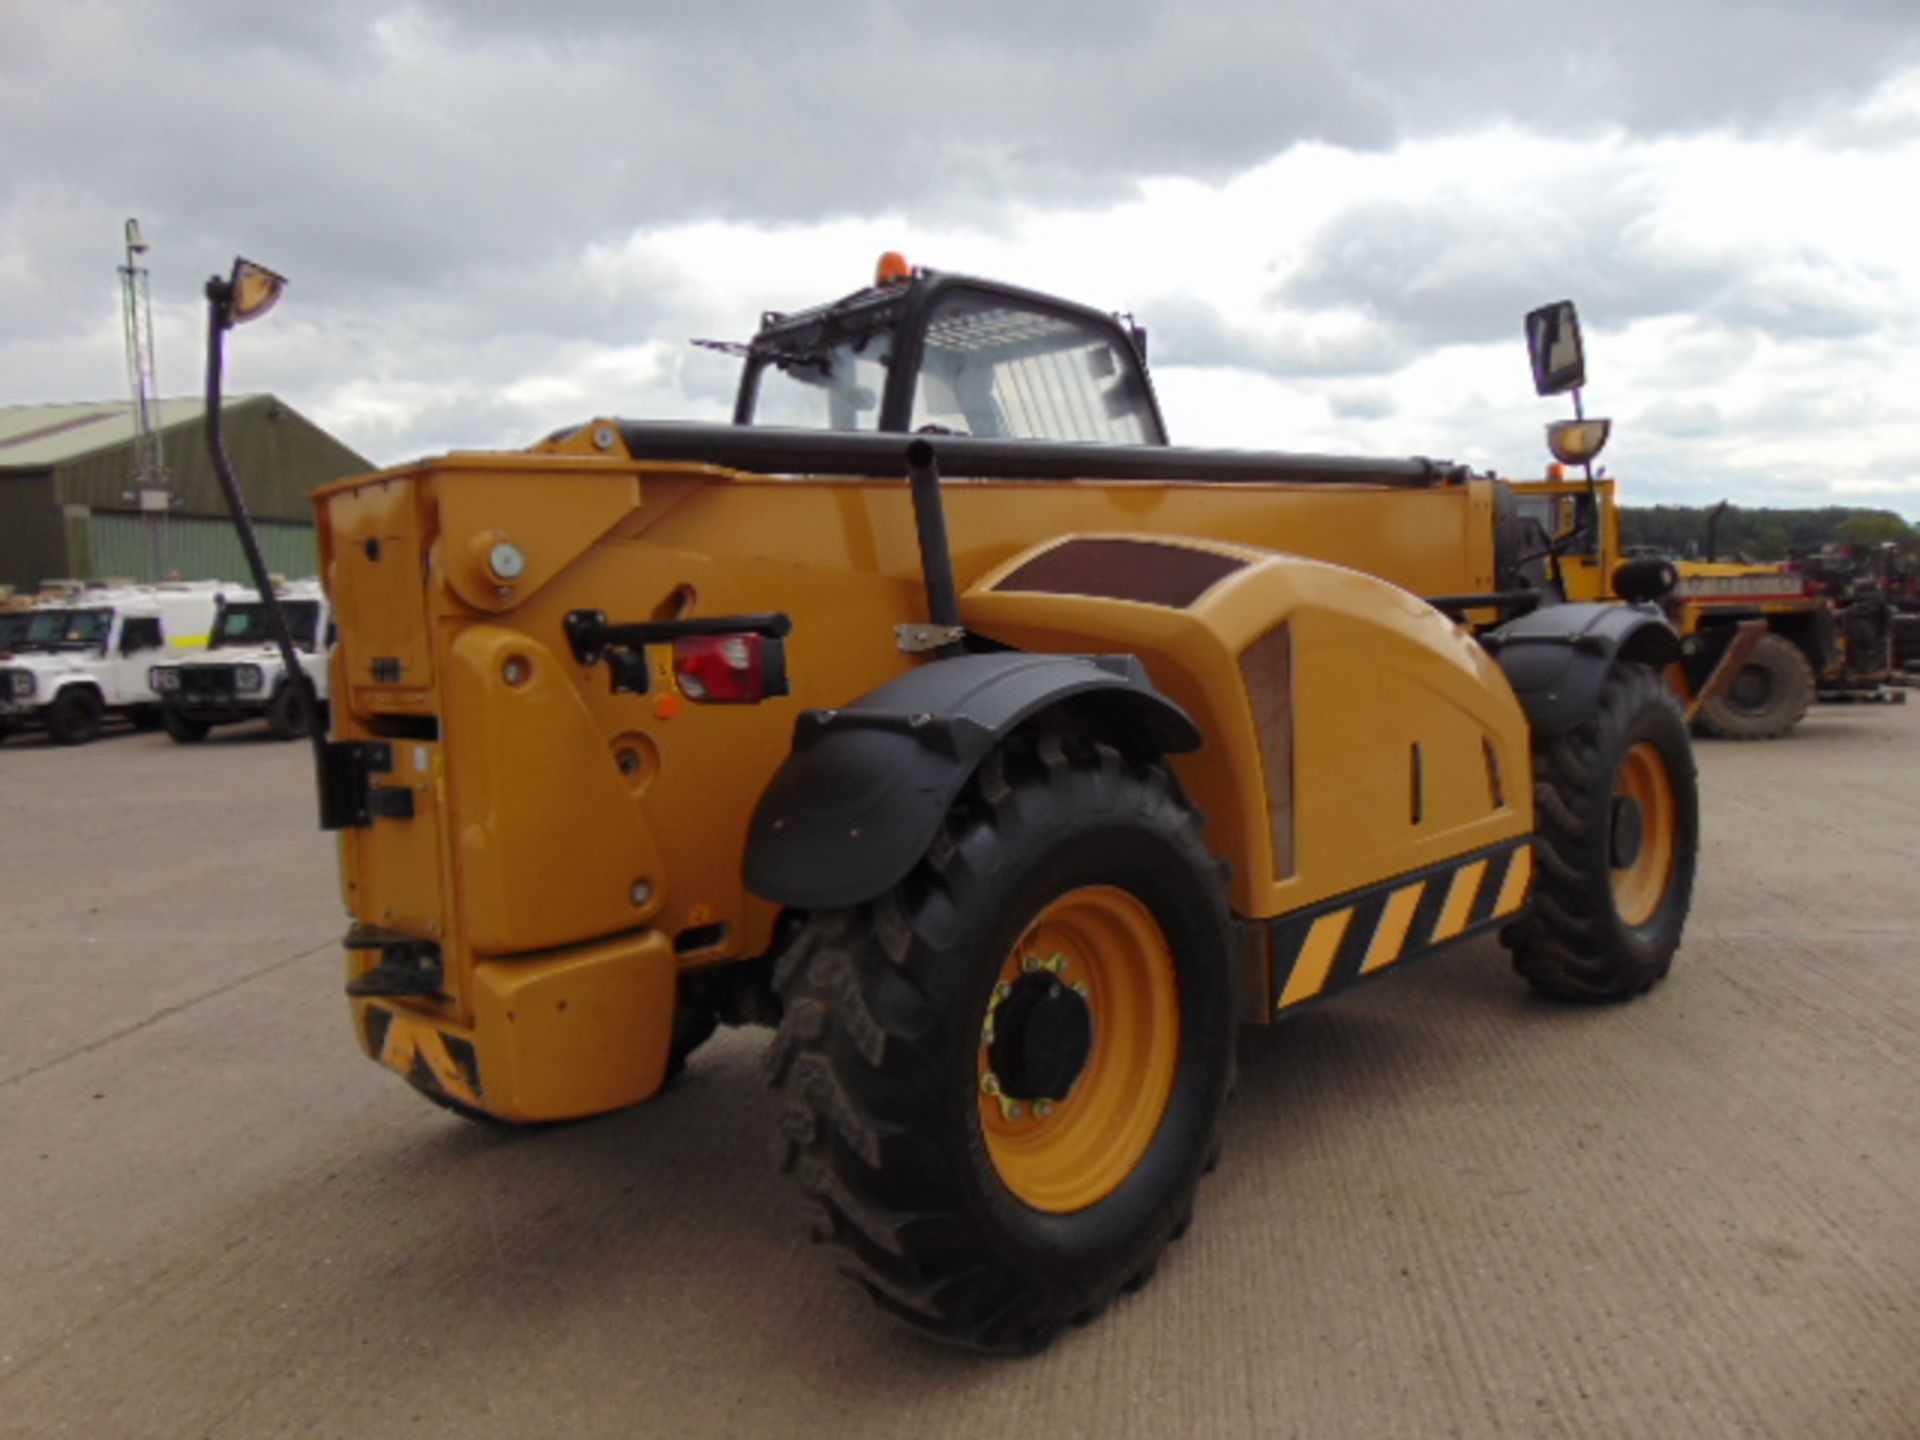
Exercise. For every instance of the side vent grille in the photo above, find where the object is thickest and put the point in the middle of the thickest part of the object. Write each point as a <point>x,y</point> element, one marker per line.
<point>1266,667</point>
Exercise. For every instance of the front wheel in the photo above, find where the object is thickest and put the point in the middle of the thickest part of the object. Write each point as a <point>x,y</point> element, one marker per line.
<point>288,713</point>
<point>1618,831</point>
<point>75,715</point>
<point>1003,1079</point>
<point>183,729</point>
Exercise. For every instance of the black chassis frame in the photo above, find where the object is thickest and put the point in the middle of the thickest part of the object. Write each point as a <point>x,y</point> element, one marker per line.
<point>904,308</point>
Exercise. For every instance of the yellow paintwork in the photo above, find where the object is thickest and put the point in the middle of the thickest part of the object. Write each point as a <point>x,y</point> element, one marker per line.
<point>1639,888</point>
<point>1375,672</point>
<point>1076,1151</point>
<point>1514,889</point>
<point>544,804</point>
<point>1394,933</point>
<point>571,1033</point>
<point>1309,975</point>
<point>1391,934</point>
<point>1586,575</point>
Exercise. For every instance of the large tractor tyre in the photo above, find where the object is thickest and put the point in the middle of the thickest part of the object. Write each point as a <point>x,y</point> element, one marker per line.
<point>75,715</point>
<point>1003,1079</point>
<point>1906,642</point>
<point>693,1026</point>
<point>1767,698</point>
<point>288,713</point>
<point>1618,820</point>
<point>184,729</point>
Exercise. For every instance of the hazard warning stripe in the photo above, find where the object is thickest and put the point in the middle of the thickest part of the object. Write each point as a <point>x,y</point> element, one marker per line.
<point>1326,947</point>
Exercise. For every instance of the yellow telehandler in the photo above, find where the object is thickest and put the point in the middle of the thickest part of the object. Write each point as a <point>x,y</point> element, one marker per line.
<point>1003,756</point>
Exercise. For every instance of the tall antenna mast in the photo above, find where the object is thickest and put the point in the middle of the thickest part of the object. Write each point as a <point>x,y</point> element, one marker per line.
<point>149,463</point>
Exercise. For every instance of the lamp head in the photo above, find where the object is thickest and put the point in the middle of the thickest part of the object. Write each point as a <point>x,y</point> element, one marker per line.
<point>246,294</point>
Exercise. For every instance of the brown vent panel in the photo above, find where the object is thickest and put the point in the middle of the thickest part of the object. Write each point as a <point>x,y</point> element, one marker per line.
<point>1169,575</point>
<point>1267,668</point>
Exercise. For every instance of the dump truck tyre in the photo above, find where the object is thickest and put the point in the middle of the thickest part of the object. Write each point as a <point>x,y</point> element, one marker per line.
<point>184,729</point>
<point>1768,697</point>
<point>1615,848</point>
<point>75,715</point>
<point>1003,1079</point>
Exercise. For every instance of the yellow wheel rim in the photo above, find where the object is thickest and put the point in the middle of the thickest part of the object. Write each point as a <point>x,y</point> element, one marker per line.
<point>1640,886</point>
<point>1066,1153</point>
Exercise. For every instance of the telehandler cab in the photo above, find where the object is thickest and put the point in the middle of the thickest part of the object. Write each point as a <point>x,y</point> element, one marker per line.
<point>1001,755</point>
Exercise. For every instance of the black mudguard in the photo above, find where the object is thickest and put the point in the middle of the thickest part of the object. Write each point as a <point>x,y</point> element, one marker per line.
<point>860,799</point>
<point>1557,658</point>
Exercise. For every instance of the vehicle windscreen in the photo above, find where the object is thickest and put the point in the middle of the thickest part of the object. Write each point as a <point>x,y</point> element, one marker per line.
<point>13,629</point>
<point>247,623</point>
<point>66,629</point>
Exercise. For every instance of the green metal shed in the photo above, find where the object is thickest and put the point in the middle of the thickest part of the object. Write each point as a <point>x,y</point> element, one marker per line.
<point>68,508</point>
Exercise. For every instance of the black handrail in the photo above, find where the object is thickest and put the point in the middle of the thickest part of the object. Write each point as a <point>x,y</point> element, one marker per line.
<point>768,451</point>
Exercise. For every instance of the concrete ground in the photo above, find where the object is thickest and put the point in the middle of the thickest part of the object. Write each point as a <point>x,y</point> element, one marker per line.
<point>1445,1209</point>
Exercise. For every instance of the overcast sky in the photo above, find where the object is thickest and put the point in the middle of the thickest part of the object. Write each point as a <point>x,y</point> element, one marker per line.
<point>1330,214</point>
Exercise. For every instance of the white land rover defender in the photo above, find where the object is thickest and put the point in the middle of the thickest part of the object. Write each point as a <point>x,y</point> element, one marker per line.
<point>241,676</point>
<point>68,665</point>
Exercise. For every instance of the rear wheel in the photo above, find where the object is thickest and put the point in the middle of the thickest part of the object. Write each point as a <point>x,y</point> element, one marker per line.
<point>1618,828</point>
<point>1768,697</point>
<point>184,729</point>
<point>75,715</point>
<point>1003,1079</point>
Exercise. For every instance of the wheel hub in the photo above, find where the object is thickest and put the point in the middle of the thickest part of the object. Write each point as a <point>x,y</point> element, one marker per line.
<point>1042,1035</point>
<point>1751,688</point>
<point>1628,832</point>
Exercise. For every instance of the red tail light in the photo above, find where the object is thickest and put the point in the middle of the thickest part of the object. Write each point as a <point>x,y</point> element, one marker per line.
<point>730,669</point>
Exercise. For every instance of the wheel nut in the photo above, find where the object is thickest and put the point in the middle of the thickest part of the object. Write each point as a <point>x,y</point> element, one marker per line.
<point>641,893</point>
<point>990,1083</point>
<point>1043,1108</point>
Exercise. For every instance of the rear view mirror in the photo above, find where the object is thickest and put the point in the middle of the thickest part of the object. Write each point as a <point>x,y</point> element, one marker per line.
<point>1553,342</point>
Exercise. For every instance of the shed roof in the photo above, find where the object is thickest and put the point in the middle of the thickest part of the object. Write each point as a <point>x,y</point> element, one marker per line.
<point>36,437</point>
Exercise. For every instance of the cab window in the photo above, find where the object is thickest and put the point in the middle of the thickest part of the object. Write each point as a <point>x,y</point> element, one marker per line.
<point>838,388</point>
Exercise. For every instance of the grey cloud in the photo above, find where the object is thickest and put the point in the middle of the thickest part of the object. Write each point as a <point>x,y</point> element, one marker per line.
<point>430,173</point>
<point>1808,296</point>
<point>1185,331</point>
<point>389,128</point>
<point>1465,268</point>
<point>1370,403</point>
<point>1681,419</point>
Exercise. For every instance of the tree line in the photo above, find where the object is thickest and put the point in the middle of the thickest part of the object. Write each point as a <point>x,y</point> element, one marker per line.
<point>1760,534</point>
